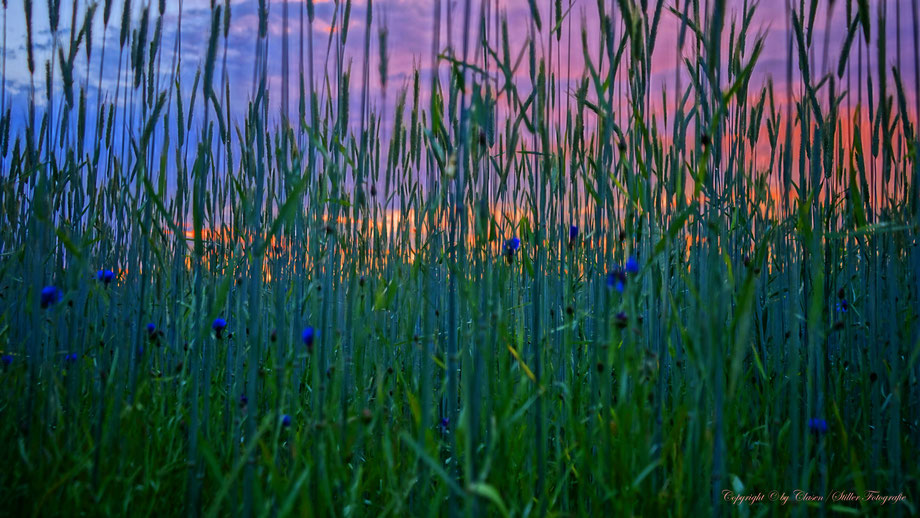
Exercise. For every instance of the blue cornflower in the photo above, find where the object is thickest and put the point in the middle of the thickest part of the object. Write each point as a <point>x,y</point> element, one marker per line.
<point>632,265</point>
<point>308,335</point>
<point>7,360</point>
<point>50,296</point>
<point>617,279</point>
<point>218,326</point>
<point>510,247</point>
<point>105,276</point>
<point>573,232</point>
<point>817,425</point>
<point>285,420</point>
<point>843,306</point>
<point>151,328</point>
<point>71,358</point>
<point>445,422</point>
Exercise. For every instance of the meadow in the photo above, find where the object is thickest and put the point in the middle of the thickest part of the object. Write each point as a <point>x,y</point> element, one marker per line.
<point>528,277</point>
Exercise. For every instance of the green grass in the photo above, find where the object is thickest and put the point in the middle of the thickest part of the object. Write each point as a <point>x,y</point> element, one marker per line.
<point>448,377</point>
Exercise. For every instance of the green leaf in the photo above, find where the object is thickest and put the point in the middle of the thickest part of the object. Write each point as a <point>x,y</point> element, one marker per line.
<point>435,467</point>
<point>489,493</point>
<point>384,297</point>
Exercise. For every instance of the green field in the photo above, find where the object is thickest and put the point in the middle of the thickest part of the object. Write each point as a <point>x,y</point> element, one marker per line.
<point>529,277</point>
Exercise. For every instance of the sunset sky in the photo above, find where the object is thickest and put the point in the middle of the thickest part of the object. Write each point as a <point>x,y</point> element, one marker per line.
<point>409,24</point>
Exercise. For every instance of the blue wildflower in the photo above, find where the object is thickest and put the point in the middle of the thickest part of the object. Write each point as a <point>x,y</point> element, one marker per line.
<point>632,265</point>
<point>70,358</point>
<point>616,279</point>
<point>7,360</point>
<point>573,232</point>
<point>285,420</point>
<point>243,400</point>
<point>510,247</point>
<point>817,425</point>
<point>843,306</point>
<point>445,422</point>
<point>50,296</point>
<point>105,276</point>
<point>308,335</point>
<point>151,328</point>
<point>218,326</point>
